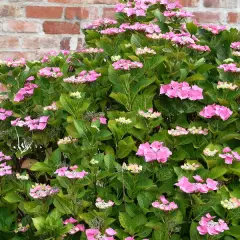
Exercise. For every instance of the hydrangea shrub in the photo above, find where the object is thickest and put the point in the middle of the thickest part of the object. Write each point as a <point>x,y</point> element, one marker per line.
<point>136,136</point>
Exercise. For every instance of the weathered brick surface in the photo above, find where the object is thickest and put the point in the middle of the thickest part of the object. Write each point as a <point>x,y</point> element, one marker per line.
<point>30,28</point>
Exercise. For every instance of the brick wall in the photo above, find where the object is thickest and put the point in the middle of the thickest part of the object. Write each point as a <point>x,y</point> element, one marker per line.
<point>31,27</point>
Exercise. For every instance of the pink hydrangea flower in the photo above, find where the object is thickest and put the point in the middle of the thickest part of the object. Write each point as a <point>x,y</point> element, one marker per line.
<point>83,77</point>
<point>31,78</point>
<point>235,45</point>
<point>229,156</point>
<point>105,22</point>
<point>124,64</point>
<point>200,186</point>
<point>214,29</point>
<point>4,157</point>
<point>90,50</point>
<point>4,114</point>
<point>130,238</point>
<point>178,14</point>
<point>95,234</point>
<point>112,31</point>
<point>32,124</point>
<point>26,91</point>
<point>40,191</point>
<point>208,226</point>
<point>230,67</point>
<point>199,48</point>
<point>5,169</point>
<point>70,172</point>
<point>69,220</point>
<point>182,90</point>
<point>102,120</point>
<point>216,110</point>
<point>50,72</point>
<point>154,152</point>
<point>142,27</point>
<point>164,205</point>
<point>21,62</point>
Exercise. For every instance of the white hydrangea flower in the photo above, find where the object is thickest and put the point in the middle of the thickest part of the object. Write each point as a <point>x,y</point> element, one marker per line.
<point>123,120</point>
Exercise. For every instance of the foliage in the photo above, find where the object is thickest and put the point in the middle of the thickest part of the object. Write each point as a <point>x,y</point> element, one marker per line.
<point>98,121</point>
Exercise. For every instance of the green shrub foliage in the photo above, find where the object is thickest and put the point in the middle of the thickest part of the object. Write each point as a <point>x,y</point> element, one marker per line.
<point>135,136</point>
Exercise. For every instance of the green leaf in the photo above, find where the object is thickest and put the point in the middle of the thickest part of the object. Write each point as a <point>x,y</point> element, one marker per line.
<point>194,235</point>
<point>217,172</point>
<point>63,205</point>
<point>192,28</point>
<point>195,77</point>
<point>41,167</point>
<point>38,223</point>
<point>120,98</point>
<point>13,197</point>
<point>125,146</point>
<point>109,161</point>
<point>136,40</point>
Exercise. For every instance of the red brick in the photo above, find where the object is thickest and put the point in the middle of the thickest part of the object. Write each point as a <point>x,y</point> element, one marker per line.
<point>108,12</point>
<point>61,27</point>
<point>9,42</point>
<point>220,3</point>
<point>27,55</point>
<point>40,42</point>
<point>21,26</point>
<point>65,43</point>
<point>76,12</point>
<point>207,17</point>
<point>10,11</point>
<point>233,17</point>
<point>43,12</point>
<point>110,2</point>
<point>189,3</point>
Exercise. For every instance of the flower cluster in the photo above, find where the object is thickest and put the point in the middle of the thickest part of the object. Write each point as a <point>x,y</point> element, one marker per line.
<point>53,53</point>
<point>67,140</point>
<point>132,167</point>
<point>231,203</point>
<point>199,48</point>
<point>31,78</point>
<point>230,67</point>
<point>4,157</point>
<point>164,205</point>
<point>22,177</point>
<point>124,64</point>
<point>235,45</point>
<point>145,50</point>
<point>50,72</point>
<point>21,62</point>
<point>115,58</point>
<point>179,131</point>
<point>210,153</point>
<point>76,228</point>
<point>105,22</point>
<point>183,39</point>
<point>226,85</point>
<point>154,152</point>
<point>102,120</point>
<point>149,114</point>
<point>178,14</point>
<point>5,169</point>
<point>112,31</point>
<point>22,228</point>
<point>228,155</point>
<point>214,29</point>
<point>95,234</point>
<point>40,191</point>
<point>52,107</point>
<point>4,114</point>
<point>182,90</point>
<point>236,53</point>
<point>190,167</point>
<point>198,130</point>
<point>200,186</point>
<point>101,204</point>
<point>123,120</point>
<point>90,50</point>
<point>216,110</point>
<point>32,124</point>
<point>208,226</point>
<point>150,28</point>
<point>83,77</point>
<point>26,91</point>
<point>70,172</point>
<point>77,95</point>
